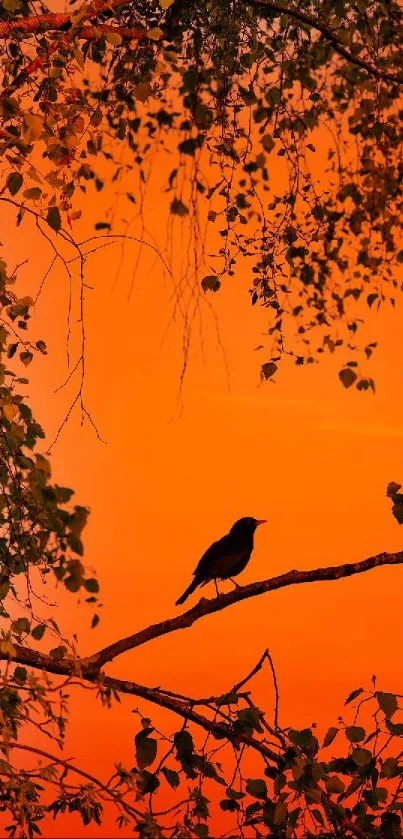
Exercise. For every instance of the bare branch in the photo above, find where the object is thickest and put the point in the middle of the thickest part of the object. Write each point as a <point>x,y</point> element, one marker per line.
<point>207,607</point>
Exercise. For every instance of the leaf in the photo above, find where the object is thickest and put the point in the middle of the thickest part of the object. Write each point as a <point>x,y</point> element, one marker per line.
<point>53,218</point>
<point>142,91</point>
<point>280,812</point>
<point>387,703</point>
<point>155,34</point>
<point>371,299</point>
<point>10,411</point>
<point>14,182</point>
<point>146,749</point>
<point>33,193</point>
<point>178,208</point>
<point>256,787</point>
<point>102,225</point>
<point>210,283</point>
<point>355,733</point>
<point>353,695</point>
<point>397,511</point>
<point>38,631</point>
<point>390,768</point>
<point>330,735</point>
<point>33,127</point>
<point>183,742</point>
<point>334,784</point>
<point>91,585</point>
<point>20,674</point>
<point>392,488</point>
<point>58,653</point>
<point>20,626</point>
<point>165,4</point>
<point>188,146</point>
<point>171,776</point>
<point>361,756</point>
<point>267,142</point>
<point>26,357</point>
<point>269,369</point>
<point>347,376</point>
<point>113,38</point>
<point>94,621</point>
<point>394,728</point>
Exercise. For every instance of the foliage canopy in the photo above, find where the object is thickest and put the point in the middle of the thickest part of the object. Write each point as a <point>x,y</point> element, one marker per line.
<point>286,128</point>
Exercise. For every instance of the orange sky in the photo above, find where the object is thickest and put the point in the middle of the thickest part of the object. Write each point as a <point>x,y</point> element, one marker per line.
<point>304,453</point>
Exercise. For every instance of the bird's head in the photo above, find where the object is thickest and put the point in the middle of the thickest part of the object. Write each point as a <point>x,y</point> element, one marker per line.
<point>246,525</point>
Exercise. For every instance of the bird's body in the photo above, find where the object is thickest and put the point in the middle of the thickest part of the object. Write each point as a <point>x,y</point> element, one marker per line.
<point>225,558</point>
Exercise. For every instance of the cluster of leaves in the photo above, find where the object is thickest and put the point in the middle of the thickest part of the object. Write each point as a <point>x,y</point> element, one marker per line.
<point>39,536</point>
<point>305,789</point>
<point>242,92</point>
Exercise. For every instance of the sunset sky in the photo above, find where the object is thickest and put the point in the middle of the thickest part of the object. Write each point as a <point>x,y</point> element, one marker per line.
<point>305,454</point>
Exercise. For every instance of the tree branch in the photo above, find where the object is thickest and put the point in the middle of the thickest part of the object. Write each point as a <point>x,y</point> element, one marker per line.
<point>90,667</point>
<point>207,607</point>
<point>327,33</point>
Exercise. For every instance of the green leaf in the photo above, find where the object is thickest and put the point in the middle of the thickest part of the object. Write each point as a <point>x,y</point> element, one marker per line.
<point>146,749</point>
<point>269,369</point>
<point>233,794</point>
<point>210,283</point>
<point>20,674</point>
<point>330,735</point>
<point>387,703</point>
<point>91,585</point>
<point>53,218</point>
<point>390,768</point>
<point>178,208</point>
<point>20,626</point>
<point>304,739</point>
<point>353,695</point>
<point>394,728</point>
<point>229,805</point>
<point>171,776</point>
<point>58,653</point>
<point>334,784</point>
<point>249,720</point>
<point>33,193</point>
<point>38,631</point>
<point>347,376</point>
<point>280,812</point>
<point>397,511</point>
<point>355,734</point>
<point>256,787</point>
<point>14,182</point>
<point>183,742</point>
<point>361,756</point>
<point>392,488</point>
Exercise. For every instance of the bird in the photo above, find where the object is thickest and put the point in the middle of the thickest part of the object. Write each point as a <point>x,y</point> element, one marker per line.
<point>225,558</point>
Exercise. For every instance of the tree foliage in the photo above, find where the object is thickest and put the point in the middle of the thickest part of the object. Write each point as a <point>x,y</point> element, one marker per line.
<point>285,126</point>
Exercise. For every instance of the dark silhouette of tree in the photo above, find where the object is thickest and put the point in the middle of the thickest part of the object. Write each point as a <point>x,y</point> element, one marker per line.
<point>240,91</point>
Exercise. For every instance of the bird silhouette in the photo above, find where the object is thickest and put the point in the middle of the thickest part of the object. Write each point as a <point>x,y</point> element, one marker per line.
<point>225,558</point>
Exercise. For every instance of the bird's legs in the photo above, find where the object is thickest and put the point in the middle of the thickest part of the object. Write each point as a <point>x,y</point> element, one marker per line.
<point>233,581</point>
<point>216,587</point>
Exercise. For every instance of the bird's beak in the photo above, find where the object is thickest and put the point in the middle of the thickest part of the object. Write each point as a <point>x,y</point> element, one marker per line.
<point>261,521</point>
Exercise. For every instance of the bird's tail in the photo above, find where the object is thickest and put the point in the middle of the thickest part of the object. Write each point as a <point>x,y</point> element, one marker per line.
<point>190,589</point>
